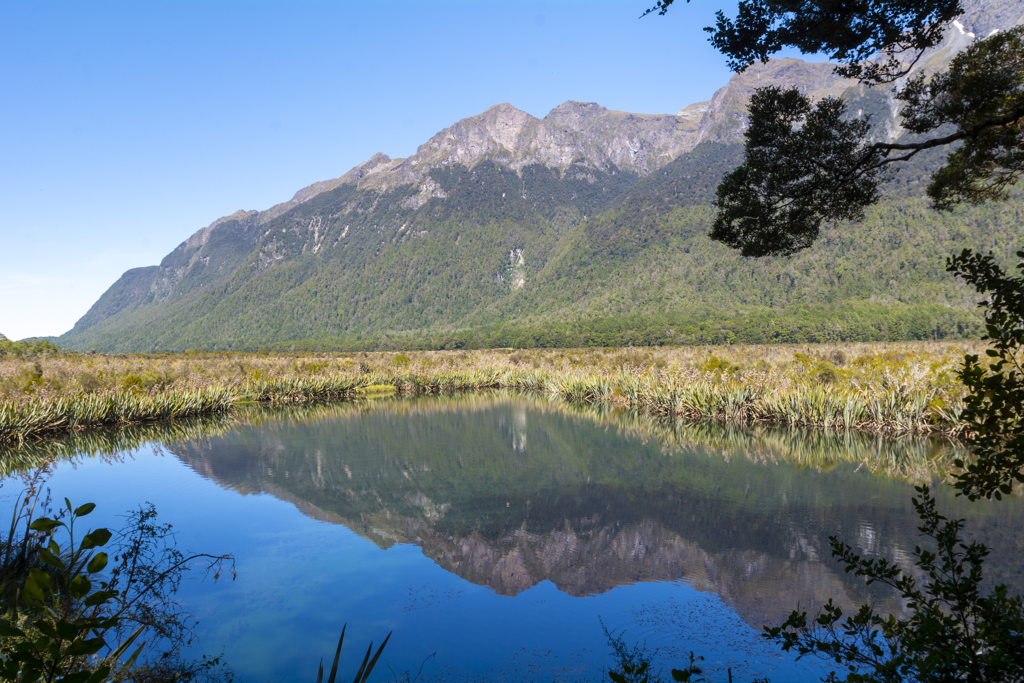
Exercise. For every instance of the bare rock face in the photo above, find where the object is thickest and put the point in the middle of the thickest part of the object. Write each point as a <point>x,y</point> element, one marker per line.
<point>638,142</point>
<point>641,143</point>
<point>502,133</point>
<point>693,113</point>
<point>571,132</point>
<point>985,17</point>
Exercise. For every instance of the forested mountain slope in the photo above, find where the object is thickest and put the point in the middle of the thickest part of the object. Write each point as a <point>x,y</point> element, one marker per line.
<point>586,226</point>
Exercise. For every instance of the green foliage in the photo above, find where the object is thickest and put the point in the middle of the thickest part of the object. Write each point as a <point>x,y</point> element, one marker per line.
<point>719,365</point>
<point>770,208</point>
<point>981,96</point>
<point>794,325</point>
<point>64,618</point>
<point>28,347</point>
<point>852,33</point>
<point>804,165</point>
<point>953,633</point>
<point>65,603</point>
<point>994,408</point>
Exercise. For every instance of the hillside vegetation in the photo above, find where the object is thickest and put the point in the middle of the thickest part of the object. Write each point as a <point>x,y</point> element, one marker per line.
<point>545,257</point>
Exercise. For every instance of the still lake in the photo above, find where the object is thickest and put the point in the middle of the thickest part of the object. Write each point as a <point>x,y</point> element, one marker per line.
<point>499,531</point>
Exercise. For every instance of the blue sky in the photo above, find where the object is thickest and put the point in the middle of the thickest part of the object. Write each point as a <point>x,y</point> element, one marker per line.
<point>125,127</point>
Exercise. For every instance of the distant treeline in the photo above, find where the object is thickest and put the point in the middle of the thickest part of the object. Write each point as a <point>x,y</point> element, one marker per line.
<point>860,322</point>
<point>27,347</point>
<point>796,325</point>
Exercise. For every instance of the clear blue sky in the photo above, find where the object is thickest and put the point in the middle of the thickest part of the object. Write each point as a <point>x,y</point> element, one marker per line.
<point>127,126</point>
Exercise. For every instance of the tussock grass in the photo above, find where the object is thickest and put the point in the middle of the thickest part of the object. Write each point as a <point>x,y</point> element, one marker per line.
<point>907,457</point>
<point>884,387</point>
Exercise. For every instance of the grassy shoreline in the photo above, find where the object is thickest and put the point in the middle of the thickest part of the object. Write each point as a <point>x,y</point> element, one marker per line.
<point>908,457</point>
<point>905,387</point>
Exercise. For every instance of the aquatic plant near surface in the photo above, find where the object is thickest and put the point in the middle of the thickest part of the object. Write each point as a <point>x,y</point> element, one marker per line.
<point>65,603</point>
<point>364,669</point>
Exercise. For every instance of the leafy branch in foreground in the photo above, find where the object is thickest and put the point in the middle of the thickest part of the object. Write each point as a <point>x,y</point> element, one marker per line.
<point>807,164</point>
<point>953,632</point>
<point>776,200</point>
<point>848,32</point>
<point>994,408</point>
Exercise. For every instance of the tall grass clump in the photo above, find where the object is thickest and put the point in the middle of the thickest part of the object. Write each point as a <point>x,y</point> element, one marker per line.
<point>21,419</point>
<point>883,387</point>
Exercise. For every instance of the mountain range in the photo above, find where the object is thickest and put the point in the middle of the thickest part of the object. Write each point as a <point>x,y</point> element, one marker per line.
<point>587,226</point>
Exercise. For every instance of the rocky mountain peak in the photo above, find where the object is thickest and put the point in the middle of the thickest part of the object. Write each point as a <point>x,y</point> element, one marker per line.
<point>725,117</point>
<point>375,164</point>
<point>502,124</point>
<point>572,113</point>
<point>605,138</point>
<point>693,112</point>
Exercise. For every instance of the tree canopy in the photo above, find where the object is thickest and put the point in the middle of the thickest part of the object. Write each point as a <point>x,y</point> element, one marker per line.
<point>807,162</point>
<point>851,32</point>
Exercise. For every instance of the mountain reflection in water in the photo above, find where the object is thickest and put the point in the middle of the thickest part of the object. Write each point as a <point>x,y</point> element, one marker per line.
<point>508,491</point>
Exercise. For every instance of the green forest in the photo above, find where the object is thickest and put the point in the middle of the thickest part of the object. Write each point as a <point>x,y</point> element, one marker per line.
<point>548,257</point>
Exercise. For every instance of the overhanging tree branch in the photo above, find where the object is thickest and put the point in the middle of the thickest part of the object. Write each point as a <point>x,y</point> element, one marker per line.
<point>805,164</point>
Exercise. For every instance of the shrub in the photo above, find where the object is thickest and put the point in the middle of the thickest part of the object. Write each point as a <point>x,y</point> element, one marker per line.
<point>953,633</point>
<point>58,614</point>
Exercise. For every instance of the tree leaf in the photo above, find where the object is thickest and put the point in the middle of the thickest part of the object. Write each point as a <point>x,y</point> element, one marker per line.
<point>95,539</point>
<point>44,524</point>
<point>80,586</point>
<point>85,647</point>
<point>49,558</point>
<point>68,631</point>
<point>99,675</point>
<point>9,631</point>
<point>77,677</point>
<point>83,510</point>
<point>97,563</point>
<point>98,598</point>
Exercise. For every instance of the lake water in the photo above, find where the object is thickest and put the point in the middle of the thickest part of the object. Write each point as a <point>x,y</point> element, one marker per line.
<point>497,532</point>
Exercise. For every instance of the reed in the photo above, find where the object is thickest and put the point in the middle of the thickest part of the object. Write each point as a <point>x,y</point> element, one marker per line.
<point>907,457</point>
<point>891,388</point>
<point>19,420</point>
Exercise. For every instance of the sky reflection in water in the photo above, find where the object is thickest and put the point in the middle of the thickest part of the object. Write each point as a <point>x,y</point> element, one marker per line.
<point>496,531</point>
